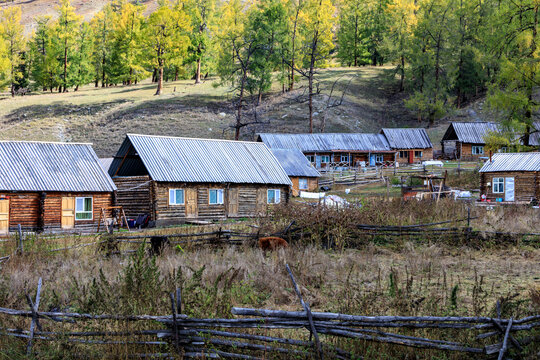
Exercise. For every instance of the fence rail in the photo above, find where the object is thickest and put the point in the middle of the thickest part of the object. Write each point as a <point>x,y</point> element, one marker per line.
<point>252,333</point>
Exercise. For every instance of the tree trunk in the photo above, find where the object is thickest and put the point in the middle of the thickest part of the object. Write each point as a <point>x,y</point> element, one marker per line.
<point>65,64</point>
<point>291,84</point>
<point>402,77</point>
<point>198,72</point>
<point>130,76</point>
<point>160,78</point>
<point>314,45</point>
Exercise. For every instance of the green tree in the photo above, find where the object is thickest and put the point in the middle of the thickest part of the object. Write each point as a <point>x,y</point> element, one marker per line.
<point>352,50</point>
<point>12,33</point>
<point>201,13</point>
<point>66,31</point>
<point>166,37</point>
<point>44,64</point>
<point>102,25</point>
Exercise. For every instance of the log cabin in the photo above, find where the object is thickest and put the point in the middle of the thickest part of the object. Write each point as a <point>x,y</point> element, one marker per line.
<point>511,177</point>
<point>335,150</point>
<point>411,144</point>
<point>303,175</point>
<point>466,140</point>
<point>174,180</point>
<point>52,187</point>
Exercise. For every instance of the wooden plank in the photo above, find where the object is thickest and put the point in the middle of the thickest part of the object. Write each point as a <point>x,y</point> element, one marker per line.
<point>34,307</point>
<point>4,217</point>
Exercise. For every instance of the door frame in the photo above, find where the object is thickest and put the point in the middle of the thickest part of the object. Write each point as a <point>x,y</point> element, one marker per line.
<point>73,198</point>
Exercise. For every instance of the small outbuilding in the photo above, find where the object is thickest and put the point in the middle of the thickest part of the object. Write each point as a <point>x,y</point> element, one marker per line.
<point>511,177</point>
<point>335,149</point>
<point>303,175</point>
<point>52,187</point>
<point>412,144</point>
<point>174,179</point>
<point>466,140</point>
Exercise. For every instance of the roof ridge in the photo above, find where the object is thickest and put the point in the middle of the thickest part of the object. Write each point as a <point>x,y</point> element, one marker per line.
<point>193,138</point>
<point>44,142</point>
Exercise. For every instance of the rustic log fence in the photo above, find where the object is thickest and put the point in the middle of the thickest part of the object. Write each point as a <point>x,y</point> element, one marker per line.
<point>260,333</point>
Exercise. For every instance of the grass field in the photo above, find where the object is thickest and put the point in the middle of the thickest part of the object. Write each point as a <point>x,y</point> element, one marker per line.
<point>103,116</point>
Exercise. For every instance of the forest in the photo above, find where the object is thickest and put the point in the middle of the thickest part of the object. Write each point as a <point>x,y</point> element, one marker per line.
<point>445,53</point>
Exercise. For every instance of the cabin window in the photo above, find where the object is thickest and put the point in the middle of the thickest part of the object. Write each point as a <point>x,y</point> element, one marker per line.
<point>477,150</point>
<point>345,158</point>
<point>273,196</point>
<point>403,154</point>
<point>379,158</point>
<point>83,208</point>
<point>215,196</point>
<point>325,158</point>
<point>302,184</point>
<point>311,158</point>
<point>498,185</point>
<point>176,197</point>
<point>418,154</point>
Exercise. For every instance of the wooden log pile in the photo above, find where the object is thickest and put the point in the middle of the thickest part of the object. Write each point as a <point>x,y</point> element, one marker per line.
<point>252,334</point>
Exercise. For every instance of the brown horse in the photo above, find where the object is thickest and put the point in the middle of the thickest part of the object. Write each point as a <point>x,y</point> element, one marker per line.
<point>272,243</point>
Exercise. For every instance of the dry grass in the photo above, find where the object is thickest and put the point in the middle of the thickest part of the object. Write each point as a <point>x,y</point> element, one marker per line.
<point>417,280</point>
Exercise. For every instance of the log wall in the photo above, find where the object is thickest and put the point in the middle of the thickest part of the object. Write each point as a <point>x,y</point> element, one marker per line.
<point>43,211</point>
<point>166,214</point>
<point>313,184</point>
<point>134,195</point>
<point>427,154</point>
<point>526,185</point>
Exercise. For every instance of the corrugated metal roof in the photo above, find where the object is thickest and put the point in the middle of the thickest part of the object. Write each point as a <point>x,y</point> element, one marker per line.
<point>41,166</point>
<point>106,163</point>
<point>473,132</point>
<point>513,162</point>
<point>174,159</point>
<point>326,142</point>
<point>402,138</point>
<point>295,163</point>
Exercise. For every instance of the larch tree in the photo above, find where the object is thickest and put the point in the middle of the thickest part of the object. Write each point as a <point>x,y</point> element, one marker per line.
<point>102,25</point>
<point>513,93</point>
<point>67,27</point>
<point>166,37</point>
<point>350,36</point>
<point>13,34</point>
<point>316,26</point>
<point>202,14</point>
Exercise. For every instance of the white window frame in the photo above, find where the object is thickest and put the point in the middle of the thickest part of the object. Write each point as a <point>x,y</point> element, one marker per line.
<point>219,196</point>
<point>477,150</point>
<point>325,159</point>
<point>379,158</point>
<point>91,212</point>
<point>496,183</point>
<point>404,153</point>
<point>173,195</point>
<point>311,158</point>
<point>418,152</point>
<point>305,181</point>
<point>345,158</point>
<point>277,196</point>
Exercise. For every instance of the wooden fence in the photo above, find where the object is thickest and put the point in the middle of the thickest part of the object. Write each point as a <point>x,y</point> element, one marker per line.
<point>259,333</point>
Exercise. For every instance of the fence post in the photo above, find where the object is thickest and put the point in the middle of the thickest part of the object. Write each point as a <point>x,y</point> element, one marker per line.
<point>20,238</point>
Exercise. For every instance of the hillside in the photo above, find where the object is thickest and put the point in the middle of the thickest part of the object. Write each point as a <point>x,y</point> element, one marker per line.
<point>31,9</point>
<point>103,116</point>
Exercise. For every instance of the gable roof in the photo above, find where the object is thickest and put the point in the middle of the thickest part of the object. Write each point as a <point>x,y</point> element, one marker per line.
<point>175,159</point>
<point>405,138</point>
<point>326,142</point>
<point>513,162</point>
<point>471,132</point>
<point>41,166</point>
<point>106,163</point>
<point>295,163</point>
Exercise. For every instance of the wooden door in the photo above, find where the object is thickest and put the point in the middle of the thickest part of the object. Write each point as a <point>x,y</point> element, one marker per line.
<point>191,203</point>
<point>233,202</point>
<point>4,217</point>
<point>411,156</point>
<point>68,212</point>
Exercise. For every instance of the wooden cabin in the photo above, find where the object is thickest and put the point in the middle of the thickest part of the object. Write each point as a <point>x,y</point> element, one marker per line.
<point>174,179</point>
<point>52,187</point>
<point>337,150</point>
<point>466,141</point>
<point>303,175</point>
<point>511,177</point>
<point>411,144</point>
